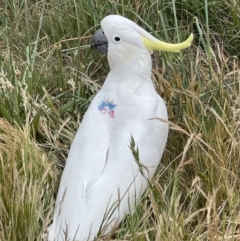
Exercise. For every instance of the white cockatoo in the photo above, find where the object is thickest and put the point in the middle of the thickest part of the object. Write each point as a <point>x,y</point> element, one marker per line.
<point>102,180</point>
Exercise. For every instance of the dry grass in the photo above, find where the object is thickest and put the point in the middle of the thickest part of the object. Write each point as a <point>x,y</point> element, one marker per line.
<point>27,181</point>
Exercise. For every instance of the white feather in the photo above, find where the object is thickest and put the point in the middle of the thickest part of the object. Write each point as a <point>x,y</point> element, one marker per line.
<point>101,173</point>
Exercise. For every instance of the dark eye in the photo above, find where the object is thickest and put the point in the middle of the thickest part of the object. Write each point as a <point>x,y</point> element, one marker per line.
<point>117,38</point>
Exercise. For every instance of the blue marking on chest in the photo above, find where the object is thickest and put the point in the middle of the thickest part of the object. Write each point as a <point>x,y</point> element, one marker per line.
<point>107,107</point>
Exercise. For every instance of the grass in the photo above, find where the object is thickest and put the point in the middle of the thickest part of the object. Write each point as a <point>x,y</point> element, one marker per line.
<point>49,75</point>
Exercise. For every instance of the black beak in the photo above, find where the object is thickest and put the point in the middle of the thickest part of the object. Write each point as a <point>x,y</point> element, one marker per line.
<point>99,41</point>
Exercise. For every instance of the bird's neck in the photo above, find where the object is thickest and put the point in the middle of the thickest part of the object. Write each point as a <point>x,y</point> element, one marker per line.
<point>135,68</point>
<point>129,79</point>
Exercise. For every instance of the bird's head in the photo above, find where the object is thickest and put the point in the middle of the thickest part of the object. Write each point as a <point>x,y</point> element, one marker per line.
<point>123,40</point>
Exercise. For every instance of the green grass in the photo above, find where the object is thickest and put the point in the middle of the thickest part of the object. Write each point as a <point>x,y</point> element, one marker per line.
<point>49,75</point>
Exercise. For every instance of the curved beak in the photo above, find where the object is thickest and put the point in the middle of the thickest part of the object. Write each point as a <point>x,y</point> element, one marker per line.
<point>99,41</point>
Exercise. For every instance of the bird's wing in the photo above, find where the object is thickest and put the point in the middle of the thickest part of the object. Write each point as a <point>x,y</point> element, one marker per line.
<point>122,179</point>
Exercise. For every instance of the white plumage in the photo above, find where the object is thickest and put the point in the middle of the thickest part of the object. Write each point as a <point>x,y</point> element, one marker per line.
<point>102,181</point>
